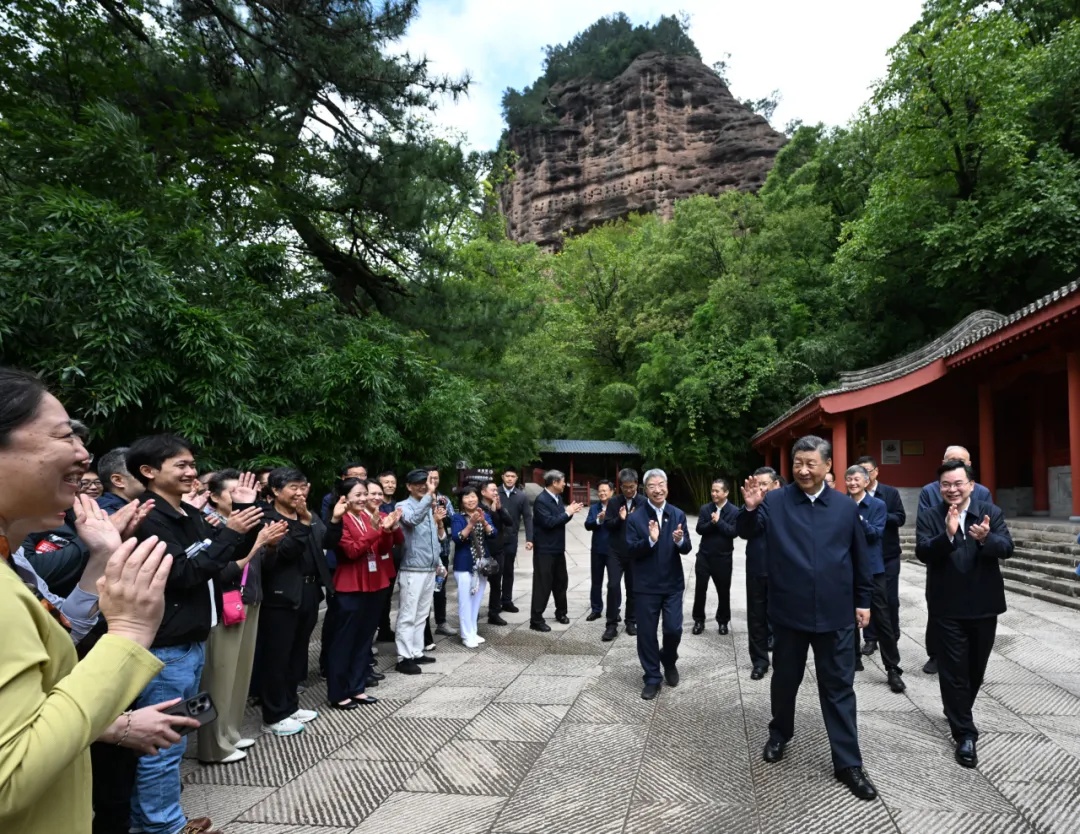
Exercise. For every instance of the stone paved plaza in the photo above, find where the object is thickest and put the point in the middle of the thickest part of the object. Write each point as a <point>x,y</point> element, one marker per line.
<point>548,733</point>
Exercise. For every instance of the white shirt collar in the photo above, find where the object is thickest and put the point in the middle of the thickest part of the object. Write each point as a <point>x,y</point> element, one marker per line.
<point>659,511</point>
<point>817,494</point>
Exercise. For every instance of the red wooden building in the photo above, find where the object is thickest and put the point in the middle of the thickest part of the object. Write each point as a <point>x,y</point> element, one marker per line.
<point>1006,387</point>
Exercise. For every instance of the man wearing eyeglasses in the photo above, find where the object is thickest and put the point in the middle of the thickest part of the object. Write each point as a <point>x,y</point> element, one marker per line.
<point>961,542</point>
<point>929,498</point>
<point>890,549</point>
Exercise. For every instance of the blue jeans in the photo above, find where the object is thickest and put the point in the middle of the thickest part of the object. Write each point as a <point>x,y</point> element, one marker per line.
<point>155,804</point>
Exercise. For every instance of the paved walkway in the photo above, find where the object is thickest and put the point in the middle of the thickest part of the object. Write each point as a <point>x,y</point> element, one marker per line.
<point>547,733</point>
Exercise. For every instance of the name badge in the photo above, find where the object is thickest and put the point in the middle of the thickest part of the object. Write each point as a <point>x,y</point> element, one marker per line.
<point>371,566</point>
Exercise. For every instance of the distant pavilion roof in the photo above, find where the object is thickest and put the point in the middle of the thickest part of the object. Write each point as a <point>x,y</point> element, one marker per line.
<point>589,447</point>
<point>978,333</point>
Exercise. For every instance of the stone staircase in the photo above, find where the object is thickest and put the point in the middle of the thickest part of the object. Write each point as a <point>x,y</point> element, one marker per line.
<point>1043,564</point>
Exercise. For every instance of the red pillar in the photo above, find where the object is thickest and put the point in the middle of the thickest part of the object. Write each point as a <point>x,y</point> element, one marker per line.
<point>839,447</point>
<point>785,463</point>
<point>986,464</point>
<point>1040,477</point>
<point>1073,365</point>
<point>571,484</point>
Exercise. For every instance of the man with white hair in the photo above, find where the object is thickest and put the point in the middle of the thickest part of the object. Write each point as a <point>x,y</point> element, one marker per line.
<point>657,536</point>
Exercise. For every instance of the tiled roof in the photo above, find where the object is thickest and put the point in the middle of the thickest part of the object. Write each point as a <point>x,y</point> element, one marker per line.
<point>589,447</point>
<point>972,329</point>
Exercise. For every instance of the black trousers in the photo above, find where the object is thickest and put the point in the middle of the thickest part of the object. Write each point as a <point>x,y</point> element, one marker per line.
<point>886,637</point>
<point>113,770</point>
<point>620,569</point>
<point>281,653</point>
<point>549,579</point>
<point>933,637</point>
<point>350,658</point>
<point>716,567</point>
<point>598,563</point>
<point>329,629</point>
<point>963,651</point>
<point>509,557</point>
<point>834,665</point>
<point>757,619</point>
<point>892,586</point>
<point>438,604</point>
<point>650,608</point>
<point>495,583</point>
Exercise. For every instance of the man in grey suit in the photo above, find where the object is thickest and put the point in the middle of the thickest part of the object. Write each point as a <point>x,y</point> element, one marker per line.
<point>519,508</point>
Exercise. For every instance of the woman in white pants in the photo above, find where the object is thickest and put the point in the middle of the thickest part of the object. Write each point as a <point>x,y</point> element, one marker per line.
<point>472,531</point>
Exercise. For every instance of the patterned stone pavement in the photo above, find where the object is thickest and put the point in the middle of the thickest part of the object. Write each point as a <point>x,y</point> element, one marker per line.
<point>547,733</point>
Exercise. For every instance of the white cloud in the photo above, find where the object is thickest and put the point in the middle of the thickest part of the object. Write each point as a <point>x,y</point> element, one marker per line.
<point>823,57</point>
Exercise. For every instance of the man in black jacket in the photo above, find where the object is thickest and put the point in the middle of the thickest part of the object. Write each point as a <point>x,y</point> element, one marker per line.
<point>620,566</point>
<point>890,549</point>
<point>492,501</point>
<point>961,542</point>
<point>165,465</point>
<point>550,517</point>
<point>716,526</point>
<point>757,586</point>
<point>517,505</point>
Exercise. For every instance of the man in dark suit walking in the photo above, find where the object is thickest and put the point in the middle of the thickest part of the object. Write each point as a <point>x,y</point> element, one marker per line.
<point>757,587</point>
<point>519,508</point>
<point>716,527</point>
<point>820,587</point>
<point>895,518</point>
<point>961,542</point>
<point>550,517</point>
<point>656,537</point>
<point>929,498</point>
<point>620,566</point>
<point>598,550</point>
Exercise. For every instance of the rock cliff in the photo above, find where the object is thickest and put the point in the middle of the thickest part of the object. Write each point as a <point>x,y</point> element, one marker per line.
<point>667,128</point>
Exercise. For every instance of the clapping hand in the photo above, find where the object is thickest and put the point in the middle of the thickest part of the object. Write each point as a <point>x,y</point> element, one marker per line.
<point>440,513</point>
<point>244,520</point>
<point>196,499</point>
<point>979,532</point>
<point>952,521</point>
<point>677,535</point>
<point>654,531</point>
<point>715,516</point>
<point>622,512</point>
<point>574,508</point>
<point>340,508</point>
<point>131,594</point>
<point>271,534</point>
<point>95,528</point>
<point>246,489</point>
<point>389,520</point>
<point>127,519</point>
<point>303,514</point>
<point>752,494</point>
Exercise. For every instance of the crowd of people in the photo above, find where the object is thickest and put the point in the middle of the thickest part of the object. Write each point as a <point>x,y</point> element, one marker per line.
<point>143,581</point>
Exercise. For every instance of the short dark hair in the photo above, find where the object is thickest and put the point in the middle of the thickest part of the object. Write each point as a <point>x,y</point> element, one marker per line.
<point>607,483</point>
<point>285,475</point>
<point>723,482</point>
<point>813,443</point>
<point>767,470</point>
<point>263,470</point>
<point>627,476</point>
<point>113,462</point>
<point>21,394</point>
<point>153,451</point>
<point>389,473</point>
<point>82,431</point>
<point>484,483</point>
<point>343,486</point>
<point>343,470</point>
<point>866,461</point>
<point>216,483</point>
<point>506,469</point>
<point>468,489</point>
<point>952,465</point>
<point>780,479</point>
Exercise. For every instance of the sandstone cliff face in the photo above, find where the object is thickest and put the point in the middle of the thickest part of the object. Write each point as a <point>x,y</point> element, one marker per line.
<point>667,128</point>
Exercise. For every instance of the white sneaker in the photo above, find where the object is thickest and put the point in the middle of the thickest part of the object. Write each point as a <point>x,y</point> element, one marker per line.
<point>304,715</point>
<point>430,647</point>
<point>235,756</point>
<point>375,651</point>
<point>244,743</point>
<point>470,644</point>
<point>480,639</point>
<point>284,727</point>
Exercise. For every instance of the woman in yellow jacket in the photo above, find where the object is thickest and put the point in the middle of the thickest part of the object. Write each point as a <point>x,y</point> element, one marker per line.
<point>51,708</point>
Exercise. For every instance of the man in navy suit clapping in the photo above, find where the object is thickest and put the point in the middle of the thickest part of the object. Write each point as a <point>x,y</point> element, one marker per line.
<point>656,536</point>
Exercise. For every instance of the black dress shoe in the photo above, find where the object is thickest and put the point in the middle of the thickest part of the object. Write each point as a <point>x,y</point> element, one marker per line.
<point>699,627</point>
<point>563,619</point>
<point>631,629</point>
<point>896,683</point>
<point>758,672</point>
<point>495,619</point>
<point>930,667</point>
<point>424,659</point>
<point>610,633</point>
<point>650,691</point>
<point>348,705</point>
<point>408,667</point>
<point>509,606</point>
<point>869,647</point>
<point>539,626</point>
<point>371,682</point>
<point>379,676</point>
<point>965,753</point>
<point>859,665</point>
<point>593,616</point>
<point>723,628</point>
<point>774,750</point>
<point>671,676</point>
<point>857,782</point>
<point>385,637</point>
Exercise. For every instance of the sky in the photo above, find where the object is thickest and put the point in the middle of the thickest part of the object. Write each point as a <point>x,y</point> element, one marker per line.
<point>822,55</point>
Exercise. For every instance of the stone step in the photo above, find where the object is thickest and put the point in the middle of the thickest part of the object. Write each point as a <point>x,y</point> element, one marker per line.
<point>1051,557</point>
<point>1033,531</point>
<point>1038,544</point>
<point>1051,569</point>
<point>1069,587</point>
<point>1043,594</point>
